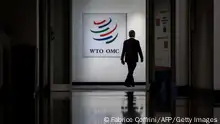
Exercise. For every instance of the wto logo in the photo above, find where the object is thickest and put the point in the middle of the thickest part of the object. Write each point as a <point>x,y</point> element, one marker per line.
<point>105,34</point>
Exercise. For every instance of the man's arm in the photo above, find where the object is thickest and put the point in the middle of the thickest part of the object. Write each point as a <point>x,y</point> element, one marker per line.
<point>140,52</point>
<point>123,52</point>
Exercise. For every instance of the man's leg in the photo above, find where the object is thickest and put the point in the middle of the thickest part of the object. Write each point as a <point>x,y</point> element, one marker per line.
<point>131,67</point>
<point>128,79</point>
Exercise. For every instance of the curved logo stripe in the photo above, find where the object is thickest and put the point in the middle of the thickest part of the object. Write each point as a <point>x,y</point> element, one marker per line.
<point>106,38</point>
<point>106,23</point>
<point>99,23</point>
<point>102,35</point>
<point>112,39</point>
<point>100,30</point>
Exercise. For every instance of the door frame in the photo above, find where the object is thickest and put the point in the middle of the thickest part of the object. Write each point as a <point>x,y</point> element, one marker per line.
<point>151,48</point>
<point>42,85</point>
<point>106,84</point>
<point>58,87</point>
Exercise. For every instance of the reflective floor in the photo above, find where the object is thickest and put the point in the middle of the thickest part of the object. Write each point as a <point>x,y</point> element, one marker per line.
<point>91,107</point>
<point>95,107</point>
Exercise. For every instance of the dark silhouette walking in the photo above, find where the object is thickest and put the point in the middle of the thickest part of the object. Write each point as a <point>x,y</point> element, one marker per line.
<point>131,49</point>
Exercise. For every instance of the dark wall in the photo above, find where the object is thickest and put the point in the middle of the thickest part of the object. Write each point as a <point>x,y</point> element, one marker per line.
<point>18,20</point>
<point>23,81</point>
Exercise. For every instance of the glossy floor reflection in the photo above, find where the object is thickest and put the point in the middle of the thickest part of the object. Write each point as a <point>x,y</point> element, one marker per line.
<point>93,107</point>
<point>98,107</point>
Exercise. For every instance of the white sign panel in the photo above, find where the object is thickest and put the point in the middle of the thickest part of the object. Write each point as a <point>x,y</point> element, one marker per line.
<point>103,34</point>
<point>162,38</point>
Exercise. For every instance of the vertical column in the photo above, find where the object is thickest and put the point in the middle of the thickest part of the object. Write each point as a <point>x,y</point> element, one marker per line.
<point>202,46</point>
<point>181,42</point>
<point>202,60</point>
<point>216,45</point>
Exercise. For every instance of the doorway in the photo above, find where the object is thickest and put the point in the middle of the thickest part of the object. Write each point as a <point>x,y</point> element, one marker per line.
<point>58,50</point>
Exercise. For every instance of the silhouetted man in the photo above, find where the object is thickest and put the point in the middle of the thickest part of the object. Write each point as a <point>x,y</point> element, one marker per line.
<point>131,49</point>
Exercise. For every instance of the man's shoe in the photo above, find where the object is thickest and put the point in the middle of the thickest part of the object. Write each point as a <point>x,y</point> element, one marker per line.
<point>127,85</point>
<point>133,85</point>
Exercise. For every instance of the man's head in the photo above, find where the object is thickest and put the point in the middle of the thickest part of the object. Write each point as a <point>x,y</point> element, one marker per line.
<point>132,33</point>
